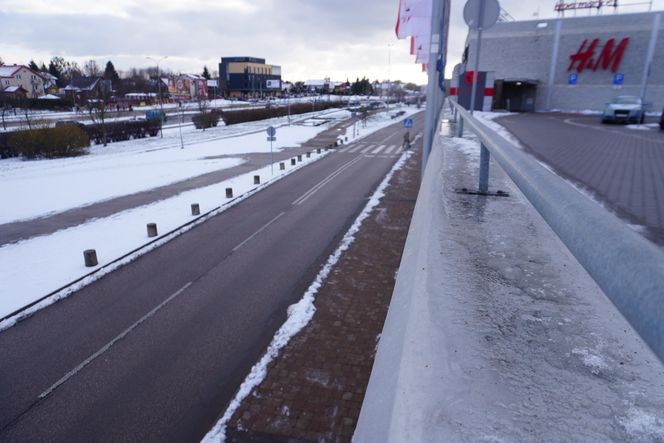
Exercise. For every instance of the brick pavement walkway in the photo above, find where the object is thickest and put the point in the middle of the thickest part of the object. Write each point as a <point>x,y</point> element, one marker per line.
<point>314,389</point>
<point>620,167</point>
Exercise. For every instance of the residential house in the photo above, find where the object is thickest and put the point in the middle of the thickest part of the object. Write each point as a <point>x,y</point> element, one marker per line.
<point>32,82</point>
<point>84,89</point>
<point>14,92</point>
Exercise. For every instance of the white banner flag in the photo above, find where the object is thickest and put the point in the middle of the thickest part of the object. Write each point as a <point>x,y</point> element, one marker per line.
<point>414,18</point>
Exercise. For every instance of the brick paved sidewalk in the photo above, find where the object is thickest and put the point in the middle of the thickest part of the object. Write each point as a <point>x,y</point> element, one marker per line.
<point>314,389</point>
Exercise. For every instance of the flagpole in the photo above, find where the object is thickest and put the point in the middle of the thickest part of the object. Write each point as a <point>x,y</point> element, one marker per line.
<point>433,90</point>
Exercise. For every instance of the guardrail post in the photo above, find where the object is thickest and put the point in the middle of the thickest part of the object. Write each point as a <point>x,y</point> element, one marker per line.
<point>257,179</point>
<point>460,127</point>
<point>292,162</point>
<point>299,157</point>
<point>282,166</point>
<point>485,156</point>
<point>229,192</point>
<point>195,209</point>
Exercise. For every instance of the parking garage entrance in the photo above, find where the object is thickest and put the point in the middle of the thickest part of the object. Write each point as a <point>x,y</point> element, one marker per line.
<point>515,95</point>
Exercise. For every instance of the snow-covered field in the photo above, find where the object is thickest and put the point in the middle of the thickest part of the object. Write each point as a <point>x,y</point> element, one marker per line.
<point>43,187</point>
<point>59,256</point>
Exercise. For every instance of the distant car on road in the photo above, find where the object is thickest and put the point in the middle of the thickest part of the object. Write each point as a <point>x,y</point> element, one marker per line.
<point>624,109</point>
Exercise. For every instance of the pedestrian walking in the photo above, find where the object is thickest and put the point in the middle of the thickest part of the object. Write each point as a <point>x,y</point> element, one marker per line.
<point>406,140</point>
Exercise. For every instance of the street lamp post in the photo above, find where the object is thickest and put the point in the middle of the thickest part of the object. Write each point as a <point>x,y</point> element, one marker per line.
<point>161,100</point>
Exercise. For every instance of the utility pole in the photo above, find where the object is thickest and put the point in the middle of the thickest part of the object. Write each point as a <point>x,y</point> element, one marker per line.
<point>161,99</point>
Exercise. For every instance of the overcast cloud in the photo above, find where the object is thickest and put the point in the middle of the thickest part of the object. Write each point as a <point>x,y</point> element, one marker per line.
<point>308,38</point>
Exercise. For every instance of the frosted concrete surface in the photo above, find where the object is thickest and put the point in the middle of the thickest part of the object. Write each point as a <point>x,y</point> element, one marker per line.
<point>495,333</point>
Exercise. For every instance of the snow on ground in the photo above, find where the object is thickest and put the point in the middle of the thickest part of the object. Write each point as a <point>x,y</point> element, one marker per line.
<point>644,127</point>
<point>59,256</point>
<point>300,313</point>
<point>42,187</point>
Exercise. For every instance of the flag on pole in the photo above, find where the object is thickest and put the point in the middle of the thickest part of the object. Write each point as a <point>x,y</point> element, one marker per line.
<point>414,18</point>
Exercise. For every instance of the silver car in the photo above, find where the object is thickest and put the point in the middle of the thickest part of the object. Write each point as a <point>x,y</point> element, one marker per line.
<point>624,109</point>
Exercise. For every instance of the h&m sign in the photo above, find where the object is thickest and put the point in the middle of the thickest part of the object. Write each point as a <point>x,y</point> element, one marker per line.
<point>610,55</point>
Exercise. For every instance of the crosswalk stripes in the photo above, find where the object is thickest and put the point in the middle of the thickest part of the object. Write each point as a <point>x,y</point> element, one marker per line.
<point>389,149</point>
<point>357,148</point>
<point>368,148</point>
<point>380,148</point>
<point>346,148</point>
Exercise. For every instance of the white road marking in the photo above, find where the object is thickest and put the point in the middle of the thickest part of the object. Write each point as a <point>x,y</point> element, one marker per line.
<point>380,148</point>
<point>108,345</point>
<point>357,148</point>
<point>262,228</point>
<point>390,149</point>
<point>325,181</point>
<point>367,149</point>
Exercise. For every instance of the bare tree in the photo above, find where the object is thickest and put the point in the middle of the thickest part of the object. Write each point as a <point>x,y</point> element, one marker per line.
<point>97,110</point>
<point>91,69</point>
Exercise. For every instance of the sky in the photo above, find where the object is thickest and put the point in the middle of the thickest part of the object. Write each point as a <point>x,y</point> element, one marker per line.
<point>309,39</point>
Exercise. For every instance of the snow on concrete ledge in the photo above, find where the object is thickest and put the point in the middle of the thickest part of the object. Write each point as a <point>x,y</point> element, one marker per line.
<point>496,333</point>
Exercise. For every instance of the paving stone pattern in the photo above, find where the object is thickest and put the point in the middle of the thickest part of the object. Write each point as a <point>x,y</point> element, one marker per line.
<point>620,167</point>
<point>315,387</point>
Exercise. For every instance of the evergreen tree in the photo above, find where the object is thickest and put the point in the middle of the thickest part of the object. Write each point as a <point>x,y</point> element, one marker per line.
<point>43,68</point>
<point>32,65</point>
<point>55,68</point>
<point>1,62</point>
<point>110,73</point>
<point>206,73</point>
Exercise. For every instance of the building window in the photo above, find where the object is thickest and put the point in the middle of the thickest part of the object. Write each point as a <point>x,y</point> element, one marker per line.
<point>18,76</point>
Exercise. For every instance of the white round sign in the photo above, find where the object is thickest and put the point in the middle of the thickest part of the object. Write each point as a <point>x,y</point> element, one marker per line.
<point>481,14</point>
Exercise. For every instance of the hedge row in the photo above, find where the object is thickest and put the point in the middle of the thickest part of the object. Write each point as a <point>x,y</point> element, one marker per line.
<point>122,130</point>
<point>68,140</point>
<point>250,115</point>
<point>63,141</point>
<point>206,120</point>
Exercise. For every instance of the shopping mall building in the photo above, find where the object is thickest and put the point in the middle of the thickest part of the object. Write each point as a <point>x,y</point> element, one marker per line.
<point>572,63</point>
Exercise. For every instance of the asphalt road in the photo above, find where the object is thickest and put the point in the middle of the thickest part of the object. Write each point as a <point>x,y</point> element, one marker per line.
<point>620,167</point>
<point>155,350</point>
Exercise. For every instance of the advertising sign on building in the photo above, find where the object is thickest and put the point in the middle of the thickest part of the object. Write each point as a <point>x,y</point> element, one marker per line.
<point>273,84</point>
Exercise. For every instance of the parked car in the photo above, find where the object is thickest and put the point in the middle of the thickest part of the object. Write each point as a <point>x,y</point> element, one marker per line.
<point>661,121</point>
<point>624,109</point>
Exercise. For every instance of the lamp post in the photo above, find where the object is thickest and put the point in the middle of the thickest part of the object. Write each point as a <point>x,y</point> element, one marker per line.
<point>161,101</point>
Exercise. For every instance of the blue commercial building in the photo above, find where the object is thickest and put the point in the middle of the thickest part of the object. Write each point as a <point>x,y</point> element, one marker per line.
<point>248,77</point>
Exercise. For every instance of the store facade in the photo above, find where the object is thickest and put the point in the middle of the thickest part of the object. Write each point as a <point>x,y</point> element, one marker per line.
<point>568,64</point>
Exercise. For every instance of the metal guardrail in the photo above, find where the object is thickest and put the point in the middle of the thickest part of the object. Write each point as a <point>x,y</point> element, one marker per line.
<point>628,268</point>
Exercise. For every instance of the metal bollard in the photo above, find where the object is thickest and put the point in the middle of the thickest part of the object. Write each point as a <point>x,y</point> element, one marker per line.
<point>229,192</point>
<point>299,157</point>
<point>90,257</point>
<point>282,166</point>
<point>195,209</point>
<point>257,179</point>
<point>292,162</point>
<point>152,230</point>
<point>460,127</point>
